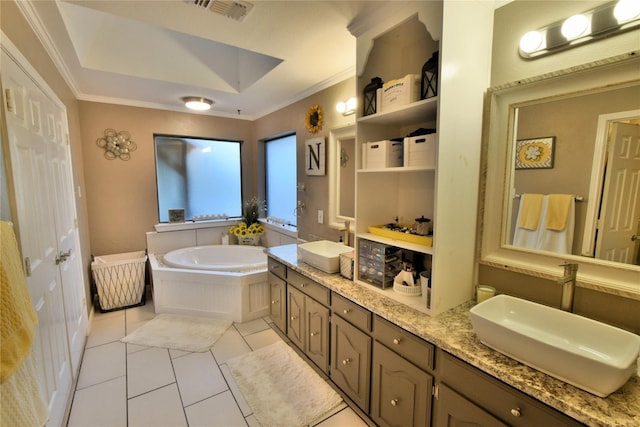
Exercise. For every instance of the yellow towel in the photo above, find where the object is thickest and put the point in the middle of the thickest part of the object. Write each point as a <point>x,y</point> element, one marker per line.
<point>530,207</point>
<point>558,211</point>
<point>17,315</point>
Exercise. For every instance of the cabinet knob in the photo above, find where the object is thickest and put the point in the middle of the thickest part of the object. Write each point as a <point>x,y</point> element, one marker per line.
<point>515,412</point>
<point>394,402</point>
<point>302,285</point>
<point>313,334</point>
<point>275,301</point>
<point>293,317</point>
<point>346,361</point>
<point>346,311</point>
<point>396,341</point>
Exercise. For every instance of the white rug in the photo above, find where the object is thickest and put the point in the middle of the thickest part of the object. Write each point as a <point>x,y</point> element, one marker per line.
<point>187,333</point>
<point>281,388</point>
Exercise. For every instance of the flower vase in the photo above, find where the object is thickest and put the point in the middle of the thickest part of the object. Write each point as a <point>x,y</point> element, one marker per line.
<point>249,240</point>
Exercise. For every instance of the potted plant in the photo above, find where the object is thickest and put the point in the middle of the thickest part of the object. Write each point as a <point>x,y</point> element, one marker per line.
<point>249,230</point>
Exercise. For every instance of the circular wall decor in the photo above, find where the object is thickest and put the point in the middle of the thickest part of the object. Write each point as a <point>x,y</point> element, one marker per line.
<point>314,119</point>
<point>116,144</point>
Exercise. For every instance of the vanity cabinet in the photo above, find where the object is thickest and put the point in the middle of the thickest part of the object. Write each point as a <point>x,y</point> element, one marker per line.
<point>308,318</point>
<point>464,388</point>
<point>401,377</point>
<point>278,301</point>
<point>351,350</point>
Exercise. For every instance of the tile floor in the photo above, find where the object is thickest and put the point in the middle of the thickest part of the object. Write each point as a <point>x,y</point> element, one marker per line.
<point>131,385</point>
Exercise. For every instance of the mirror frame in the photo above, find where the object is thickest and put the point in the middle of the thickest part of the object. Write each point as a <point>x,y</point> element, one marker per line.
<point>496,190</point>
<point>336,135</point>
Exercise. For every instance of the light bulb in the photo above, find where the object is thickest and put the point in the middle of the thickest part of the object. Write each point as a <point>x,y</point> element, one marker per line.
<point>575,26</point>
<point>341,107</point>
<point>626,10</point>
<point>531,41</point>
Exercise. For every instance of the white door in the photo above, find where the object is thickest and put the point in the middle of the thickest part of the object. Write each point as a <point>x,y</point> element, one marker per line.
<point>621,196</point>
<point>43,210</point>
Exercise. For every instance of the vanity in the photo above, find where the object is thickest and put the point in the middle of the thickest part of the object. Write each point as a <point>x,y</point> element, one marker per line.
<point>393,362</point>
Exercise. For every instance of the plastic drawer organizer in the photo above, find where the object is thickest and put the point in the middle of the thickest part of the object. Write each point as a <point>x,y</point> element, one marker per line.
<point>120,280</point>
<point>378,264</point>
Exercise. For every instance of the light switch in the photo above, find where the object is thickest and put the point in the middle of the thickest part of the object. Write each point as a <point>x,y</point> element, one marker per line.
<point>320,216</point>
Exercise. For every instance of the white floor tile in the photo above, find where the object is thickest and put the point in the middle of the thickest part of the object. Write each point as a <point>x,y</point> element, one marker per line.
<point>198,377</point>
<point>262,339</point>
<point>174,354</point>
<point>159,408</point>
<point>345,418</point>
<point>106,328</point>
<point>233,386</point>
<point>138,316</point>
<point>102,363</point>
<point>230,345</point>
<point>90,407</point>
<point>220,410</point>
<point>147,370</point>
<point>251,327</point>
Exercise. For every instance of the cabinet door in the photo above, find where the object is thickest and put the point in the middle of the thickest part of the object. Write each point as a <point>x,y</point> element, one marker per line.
<point>351,361</point>
<point>400,391</point>
<point>452,410</point>
<point>295,317</point>
<point>317,327</point>
<point>278,297</point>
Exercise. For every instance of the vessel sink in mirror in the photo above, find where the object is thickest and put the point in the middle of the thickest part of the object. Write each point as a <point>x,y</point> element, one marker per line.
<point>323,254</point>
<point>590,355</point>
<point>561,158</point>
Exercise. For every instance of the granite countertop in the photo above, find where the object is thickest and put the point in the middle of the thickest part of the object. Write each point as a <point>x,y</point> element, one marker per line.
<point>452,332</point>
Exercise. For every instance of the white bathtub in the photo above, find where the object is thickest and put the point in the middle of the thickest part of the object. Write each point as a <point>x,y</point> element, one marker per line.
<point>221,281</point>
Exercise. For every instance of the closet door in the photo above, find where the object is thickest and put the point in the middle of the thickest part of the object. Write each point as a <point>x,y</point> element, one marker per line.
<point>44,212</point>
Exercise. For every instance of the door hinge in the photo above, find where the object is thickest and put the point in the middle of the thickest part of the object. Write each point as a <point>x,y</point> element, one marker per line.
<point>27,266</point>
<point>8,95</point>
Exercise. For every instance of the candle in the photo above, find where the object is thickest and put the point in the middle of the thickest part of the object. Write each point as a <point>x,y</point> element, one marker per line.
<point>484,293</point>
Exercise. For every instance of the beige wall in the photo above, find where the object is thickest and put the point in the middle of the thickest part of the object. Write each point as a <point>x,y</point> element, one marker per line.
<point>121,195</point>
<point>511,21</point>
<point>315,196</point>
<point>17,30</point>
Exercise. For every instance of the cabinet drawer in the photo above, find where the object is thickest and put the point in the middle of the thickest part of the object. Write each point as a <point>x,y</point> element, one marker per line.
<point>407,345</point>
<point>277,268</point>
<point>499,399</point>
<point>349,310</point>
<point>309,287</point>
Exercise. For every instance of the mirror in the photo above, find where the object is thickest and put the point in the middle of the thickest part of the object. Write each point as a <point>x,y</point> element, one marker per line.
<point>342,176</point>
<point>548,135</point>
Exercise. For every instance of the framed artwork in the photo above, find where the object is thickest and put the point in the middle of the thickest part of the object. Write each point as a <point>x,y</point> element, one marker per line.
<point>535,153</point>
<point>314,156</point>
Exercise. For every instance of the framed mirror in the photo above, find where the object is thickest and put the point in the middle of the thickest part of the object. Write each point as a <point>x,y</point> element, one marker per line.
<point>342,177</point>
<point>580,112</point>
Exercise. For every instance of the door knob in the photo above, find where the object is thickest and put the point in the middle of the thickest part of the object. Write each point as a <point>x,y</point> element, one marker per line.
<point>635,237</point>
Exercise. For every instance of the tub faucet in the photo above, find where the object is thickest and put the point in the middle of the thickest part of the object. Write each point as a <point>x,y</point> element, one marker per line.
<point>568,282</point>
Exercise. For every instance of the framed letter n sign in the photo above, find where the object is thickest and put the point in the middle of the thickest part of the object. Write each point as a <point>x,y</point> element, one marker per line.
<point>314,156</point>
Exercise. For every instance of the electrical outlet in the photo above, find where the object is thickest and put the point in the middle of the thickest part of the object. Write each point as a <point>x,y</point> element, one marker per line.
<point>320,216</point>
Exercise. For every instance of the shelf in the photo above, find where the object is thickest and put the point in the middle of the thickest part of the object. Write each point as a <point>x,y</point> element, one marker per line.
<point>416,112</point>
<point>397,169</point>
<point>398,243</point>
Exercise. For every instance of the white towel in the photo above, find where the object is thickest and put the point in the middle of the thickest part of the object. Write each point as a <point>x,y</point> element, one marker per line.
<point>559,241</point>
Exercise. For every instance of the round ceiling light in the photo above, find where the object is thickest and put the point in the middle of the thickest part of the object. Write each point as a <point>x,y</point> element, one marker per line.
<point>197,103</point>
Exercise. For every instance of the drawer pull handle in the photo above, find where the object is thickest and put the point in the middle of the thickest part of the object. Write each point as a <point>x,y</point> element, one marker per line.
<point>515,412</point>
<point>394,402</point>
<point>396,341</point>
<point>346,311</point>
<point>346,361</point>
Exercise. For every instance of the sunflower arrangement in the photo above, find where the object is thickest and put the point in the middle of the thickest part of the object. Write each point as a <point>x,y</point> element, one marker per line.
<point>249,226</point>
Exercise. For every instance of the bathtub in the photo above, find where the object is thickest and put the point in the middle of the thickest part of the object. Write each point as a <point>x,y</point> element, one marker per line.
<point>222,281</point>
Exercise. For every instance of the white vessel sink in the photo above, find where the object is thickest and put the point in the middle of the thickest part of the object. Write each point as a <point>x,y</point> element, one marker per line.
<point>588,354</point>
<point>323,254</point>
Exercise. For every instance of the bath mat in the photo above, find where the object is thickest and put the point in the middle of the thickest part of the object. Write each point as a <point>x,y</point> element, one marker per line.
<point>281,388</point>
<point>187,333</point>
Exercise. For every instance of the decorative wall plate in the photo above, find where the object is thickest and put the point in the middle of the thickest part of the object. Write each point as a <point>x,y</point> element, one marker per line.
<point>314,119</point>
<point>536,153</point>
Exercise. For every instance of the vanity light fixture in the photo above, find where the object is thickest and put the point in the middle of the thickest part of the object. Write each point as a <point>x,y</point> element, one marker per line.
<point>347,107</point>
<point>197,103</point>
<point>604,21</point>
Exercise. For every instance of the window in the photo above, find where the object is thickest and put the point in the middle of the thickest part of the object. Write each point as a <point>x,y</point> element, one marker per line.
<point>201,176</point>
<point>280,178</point>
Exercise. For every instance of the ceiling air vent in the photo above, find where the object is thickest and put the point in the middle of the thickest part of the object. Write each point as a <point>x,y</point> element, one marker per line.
<point>234,9</point>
